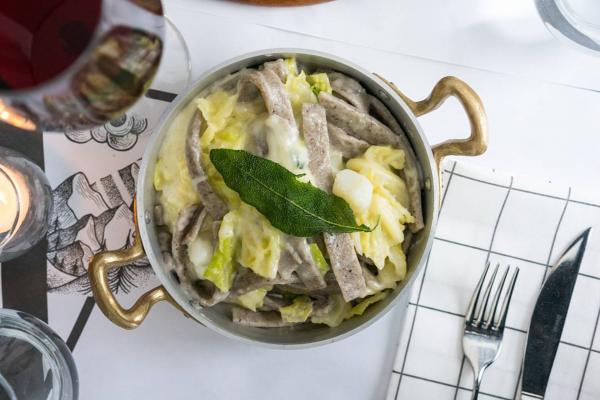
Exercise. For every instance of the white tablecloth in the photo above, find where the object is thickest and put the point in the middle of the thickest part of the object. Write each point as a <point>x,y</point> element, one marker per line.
<point>542,113</point>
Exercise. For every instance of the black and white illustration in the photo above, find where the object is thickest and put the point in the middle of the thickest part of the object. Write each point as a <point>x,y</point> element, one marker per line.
<point>93,191</point>
<point>89,217</point>
<point>120,134</point>
<point>93,207</point>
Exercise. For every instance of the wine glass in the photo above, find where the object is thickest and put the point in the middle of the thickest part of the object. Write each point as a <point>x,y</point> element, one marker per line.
<point>72,64</point>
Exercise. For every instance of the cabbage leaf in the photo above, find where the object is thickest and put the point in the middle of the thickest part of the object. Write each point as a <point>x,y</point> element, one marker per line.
<point>319,83</point>
<point>336,314</point>
<point>261,243</point>
<point>362,306</point>
<point>319,259</point>
<point>221,267</point>
<point>253,299</point>
<point>298,311</point>
<point>379,164</point>
<point>171,178</point>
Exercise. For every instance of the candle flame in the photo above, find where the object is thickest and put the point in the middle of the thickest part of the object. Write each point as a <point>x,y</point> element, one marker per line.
<point>14,199</point>
<point>12,117</point>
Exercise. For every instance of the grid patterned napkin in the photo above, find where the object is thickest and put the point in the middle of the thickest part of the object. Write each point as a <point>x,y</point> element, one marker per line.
<point>485,216</point>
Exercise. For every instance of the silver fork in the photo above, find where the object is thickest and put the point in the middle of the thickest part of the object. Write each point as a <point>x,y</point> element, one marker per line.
<point>484,323</point>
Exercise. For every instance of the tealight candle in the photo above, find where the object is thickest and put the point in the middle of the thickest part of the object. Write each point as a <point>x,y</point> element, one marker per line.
<point>14,200</point>
<point>25,204</point>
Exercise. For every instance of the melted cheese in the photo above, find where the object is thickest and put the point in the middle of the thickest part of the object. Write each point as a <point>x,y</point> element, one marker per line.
<point>285,145</point>
<point>199,252</point>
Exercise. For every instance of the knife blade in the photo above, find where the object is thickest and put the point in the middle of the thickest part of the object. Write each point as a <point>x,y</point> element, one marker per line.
<point>548,319</point>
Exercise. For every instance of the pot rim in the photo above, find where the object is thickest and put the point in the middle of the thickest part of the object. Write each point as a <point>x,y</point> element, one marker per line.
<point>164,122</point>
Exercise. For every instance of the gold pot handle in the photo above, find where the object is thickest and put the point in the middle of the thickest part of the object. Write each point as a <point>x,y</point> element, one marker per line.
<point>476,143</point>
<point>98,269</point>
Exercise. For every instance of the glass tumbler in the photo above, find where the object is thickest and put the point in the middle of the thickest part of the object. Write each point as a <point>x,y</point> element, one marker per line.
<point>35,364</point>
<point>577,22</point>
<point>25,204</point>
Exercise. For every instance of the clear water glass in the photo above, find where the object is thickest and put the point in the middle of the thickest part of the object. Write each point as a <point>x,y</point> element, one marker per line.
<point>35,363</point>
<point>575,21</point>
<point>25,204</point>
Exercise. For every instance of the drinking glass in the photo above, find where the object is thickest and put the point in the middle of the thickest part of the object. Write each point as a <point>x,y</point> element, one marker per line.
<point>74,64</point>
<point>35,363</point>
<point>577,22</point>
<point>25,204</point>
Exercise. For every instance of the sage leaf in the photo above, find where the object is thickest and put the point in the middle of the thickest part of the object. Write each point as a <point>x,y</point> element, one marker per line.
<point>294,207</point>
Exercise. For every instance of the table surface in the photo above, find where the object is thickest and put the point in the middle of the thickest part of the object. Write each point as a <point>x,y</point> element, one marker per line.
<point>542,101</point>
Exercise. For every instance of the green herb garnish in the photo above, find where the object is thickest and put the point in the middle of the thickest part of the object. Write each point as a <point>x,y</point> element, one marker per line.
<point>294,207</point>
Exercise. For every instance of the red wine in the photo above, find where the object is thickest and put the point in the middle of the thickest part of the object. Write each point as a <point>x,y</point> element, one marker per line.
<point>73,64</point>
<point>40,39</point>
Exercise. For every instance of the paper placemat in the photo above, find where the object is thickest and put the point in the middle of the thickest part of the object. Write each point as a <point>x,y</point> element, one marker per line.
<point>495,217</point>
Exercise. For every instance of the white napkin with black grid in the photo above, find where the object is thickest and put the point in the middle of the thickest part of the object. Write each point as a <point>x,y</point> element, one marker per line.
<point>487,215</point>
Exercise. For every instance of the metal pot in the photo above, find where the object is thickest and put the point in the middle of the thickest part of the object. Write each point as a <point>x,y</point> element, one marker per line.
<point>217,318</point>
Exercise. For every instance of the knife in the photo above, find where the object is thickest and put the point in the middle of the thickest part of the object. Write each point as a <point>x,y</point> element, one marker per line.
<point>548,319</point>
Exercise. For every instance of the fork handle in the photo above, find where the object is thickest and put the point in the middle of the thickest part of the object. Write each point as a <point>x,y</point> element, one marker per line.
<point>475,393</point>
<point>477,382</point>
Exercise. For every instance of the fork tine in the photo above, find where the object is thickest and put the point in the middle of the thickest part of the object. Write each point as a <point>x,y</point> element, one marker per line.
<point>499,324</point>
<point>475,298</point>
<point>489,320</point>
<point>486,297</point>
